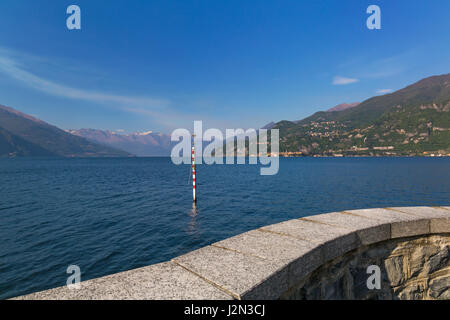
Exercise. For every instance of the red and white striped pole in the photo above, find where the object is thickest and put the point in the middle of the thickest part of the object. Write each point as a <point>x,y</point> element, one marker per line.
<point>193,170</point>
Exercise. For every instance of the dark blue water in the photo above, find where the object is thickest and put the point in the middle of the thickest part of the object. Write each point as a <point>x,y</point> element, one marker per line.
<point>111,215</point>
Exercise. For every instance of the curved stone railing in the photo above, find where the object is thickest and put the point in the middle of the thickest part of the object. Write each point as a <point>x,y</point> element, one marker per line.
<point>317,257</point>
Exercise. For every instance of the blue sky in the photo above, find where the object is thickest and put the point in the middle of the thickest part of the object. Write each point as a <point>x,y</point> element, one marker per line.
<point>159,65</point>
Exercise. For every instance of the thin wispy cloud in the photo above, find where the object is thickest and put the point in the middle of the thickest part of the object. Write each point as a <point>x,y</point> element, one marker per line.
<point>173,119</point>
<point>339,81</point>
<point>381,68</point>
<point>384,91</point>
<point>17,66</point>
<point>16,71</point>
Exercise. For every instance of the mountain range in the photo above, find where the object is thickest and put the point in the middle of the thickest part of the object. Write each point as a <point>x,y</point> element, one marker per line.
<point>142,144</point>
<point>24,135</point>
<point>343,106</point>
<point>412,121</point>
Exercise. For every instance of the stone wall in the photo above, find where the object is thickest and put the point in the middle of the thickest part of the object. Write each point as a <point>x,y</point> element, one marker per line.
<point>316,257</point>
<point>411,269</point>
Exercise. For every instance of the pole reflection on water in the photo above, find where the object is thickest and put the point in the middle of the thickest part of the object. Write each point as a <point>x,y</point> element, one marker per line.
<point>192,223</point>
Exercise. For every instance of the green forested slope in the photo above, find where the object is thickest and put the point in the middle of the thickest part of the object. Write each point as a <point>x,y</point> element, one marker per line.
<point>412,121</point>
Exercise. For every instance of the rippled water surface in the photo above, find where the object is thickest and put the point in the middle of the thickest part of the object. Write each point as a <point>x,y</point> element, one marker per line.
<point>111,215</point>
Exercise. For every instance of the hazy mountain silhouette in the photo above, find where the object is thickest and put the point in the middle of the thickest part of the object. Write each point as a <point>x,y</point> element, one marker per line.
<point>24,135</point>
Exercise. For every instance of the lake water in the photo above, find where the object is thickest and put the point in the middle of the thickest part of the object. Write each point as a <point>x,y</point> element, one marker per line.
<point>111,215</point>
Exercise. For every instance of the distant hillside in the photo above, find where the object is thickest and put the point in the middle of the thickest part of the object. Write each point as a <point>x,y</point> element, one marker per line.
<point>269,126</point>
<point>412,121</point>
<point>343,106</point>
<point>24,135</point>
<point>144,144</point>
<point>12,145</point>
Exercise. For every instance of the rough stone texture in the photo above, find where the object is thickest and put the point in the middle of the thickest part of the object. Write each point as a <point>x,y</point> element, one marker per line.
<point>425,212</point>
<point>401,223</point>
<point>382,215</point>
<point>439,217</point>
<point>300,256</point>
<point>243,276</point>
<point>368,230</point>
<point>267,245</point>
<point>439,288</point>
<point>318,257</point>
<point>333,240</point>
<point>162,281</point>
<point>411,269</point>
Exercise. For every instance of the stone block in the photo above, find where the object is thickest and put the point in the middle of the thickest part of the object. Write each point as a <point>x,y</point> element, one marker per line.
<point>402,229</point>
<point>299,257</point>
<point>162,281</point>
<point>243,276</point>
<point>368,230</point>
<point>266,245</point>
<point>439,218</point>
<point>402,223</point>
<point>333,241</point>
<point>441,225</point>
<point>382,215</point>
